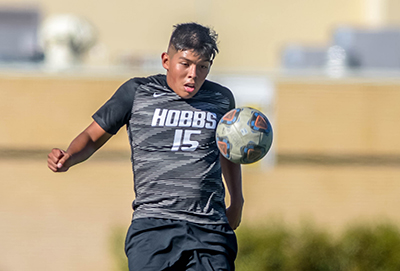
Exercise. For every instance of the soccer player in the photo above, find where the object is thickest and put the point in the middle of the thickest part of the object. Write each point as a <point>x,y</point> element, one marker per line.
<point>180,221</point>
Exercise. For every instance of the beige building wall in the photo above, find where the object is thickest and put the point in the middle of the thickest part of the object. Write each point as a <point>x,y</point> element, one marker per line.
<point>65,221</point>
<point>336,140</point>
<point>252,33</point>
<point>392,12</point>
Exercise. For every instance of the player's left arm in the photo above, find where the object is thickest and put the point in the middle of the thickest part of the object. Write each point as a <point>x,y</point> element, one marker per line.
<point>233,178</point>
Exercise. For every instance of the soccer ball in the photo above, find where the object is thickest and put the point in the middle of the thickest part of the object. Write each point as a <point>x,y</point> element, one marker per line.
<point>244,135</point>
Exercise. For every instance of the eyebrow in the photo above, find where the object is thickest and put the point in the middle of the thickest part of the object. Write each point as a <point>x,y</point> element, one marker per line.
<point>188,60</point>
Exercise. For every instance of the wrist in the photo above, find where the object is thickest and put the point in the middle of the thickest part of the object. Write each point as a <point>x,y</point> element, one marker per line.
<point>68,159</point>
<point>237,203</point>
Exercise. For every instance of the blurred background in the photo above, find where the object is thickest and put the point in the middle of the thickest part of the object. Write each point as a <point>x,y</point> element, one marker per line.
<point>326,73</point>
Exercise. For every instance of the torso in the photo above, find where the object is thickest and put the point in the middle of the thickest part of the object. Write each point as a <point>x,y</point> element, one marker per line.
<point>175,159</point>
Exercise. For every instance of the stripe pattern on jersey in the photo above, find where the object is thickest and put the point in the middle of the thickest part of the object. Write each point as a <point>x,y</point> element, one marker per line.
<point>175,159</point>
<point>176,166</point>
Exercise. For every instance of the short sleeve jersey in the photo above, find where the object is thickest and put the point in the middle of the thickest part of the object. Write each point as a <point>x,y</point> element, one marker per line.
<point>175,159</point>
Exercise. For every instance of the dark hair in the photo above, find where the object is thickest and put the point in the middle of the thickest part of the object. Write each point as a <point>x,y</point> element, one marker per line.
<point>193,36</point>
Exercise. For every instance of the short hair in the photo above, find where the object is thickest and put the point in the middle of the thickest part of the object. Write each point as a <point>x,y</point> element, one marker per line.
<point>193,36</point>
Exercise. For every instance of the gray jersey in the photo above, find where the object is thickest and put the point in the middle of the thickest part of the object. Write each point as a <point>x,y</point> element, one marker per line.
<point>175,159</point>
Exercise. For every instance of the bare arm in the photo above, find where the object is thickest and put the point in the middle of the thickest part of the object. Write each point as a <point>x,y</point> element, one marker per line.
<point>233,178</point>
<point>80,149</point>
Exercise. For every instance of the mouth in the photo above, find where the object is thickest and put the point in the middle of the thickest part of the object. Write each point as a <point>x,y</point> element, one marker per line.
<point>189,87</point>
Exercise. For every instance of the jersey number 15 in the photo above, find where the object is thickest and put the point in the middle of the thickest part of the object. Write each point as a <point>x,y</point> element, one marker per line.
<point>182,140</point>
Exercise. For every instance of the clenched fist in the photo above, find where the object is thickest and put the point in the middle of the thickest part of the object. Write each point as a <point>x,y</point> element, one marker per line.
<point>58,160</point>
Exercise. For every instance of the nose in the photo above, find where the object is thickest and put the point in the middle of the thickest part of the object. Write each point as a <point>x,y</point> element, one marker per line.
<point>192,71</point>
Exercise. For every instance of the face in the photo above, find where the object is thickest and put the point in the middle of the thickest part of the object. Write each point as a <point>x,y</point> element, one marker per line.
<point>186,71</point>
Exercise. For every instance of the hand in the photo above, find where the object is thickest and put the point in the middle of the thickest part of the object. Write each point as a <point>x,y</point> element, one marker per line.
<point>58,160</point>
<point>234,215</point>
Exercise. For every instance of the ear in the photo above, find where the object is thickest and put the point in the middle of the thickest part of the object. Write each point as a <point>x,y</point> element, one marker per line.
<point>165,60</point>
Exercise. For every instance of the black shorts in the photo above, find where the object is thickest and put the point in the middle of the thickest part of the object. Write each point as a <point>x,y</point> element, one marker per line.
<point>162,244</point>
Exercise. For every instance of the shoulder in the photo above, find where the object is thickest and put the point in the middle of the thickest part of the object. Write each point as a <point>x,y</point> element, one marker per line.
<point>135,82</point>
<point>130,86</point>
<point>219,89</point>
<point>211,85</point>
<point>158,79</point>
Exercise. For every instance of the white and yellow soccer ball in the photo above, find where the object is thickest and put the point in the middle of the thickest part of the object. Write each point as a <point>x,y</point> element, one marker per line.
<point>244,135</point>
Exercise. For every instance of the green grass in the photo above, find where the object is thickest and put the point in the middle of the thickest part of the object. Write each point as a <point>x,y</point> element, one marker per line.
<point>277,247</point>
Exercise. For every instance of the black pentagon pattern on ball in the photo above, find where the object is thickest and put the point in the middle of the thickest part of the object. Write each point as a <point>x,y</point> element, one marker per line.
<point>259,122</point>
<point>251,153</point>
<point>224,146</point>
<point>231,117</point>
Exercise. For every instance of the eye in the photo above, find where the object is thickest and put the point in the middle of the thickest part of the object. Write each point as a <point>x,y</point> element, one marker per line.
<point>184,64</point>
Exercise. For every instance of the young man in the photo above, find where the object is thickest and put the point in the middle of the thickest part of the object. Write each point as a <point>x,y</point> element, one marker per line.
<point>180,221</point>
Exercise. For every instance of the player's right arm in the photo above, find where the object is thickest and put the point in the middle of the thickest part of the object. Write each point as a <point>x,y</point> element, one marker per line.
<point>80,149</point>
<point>114,114</point>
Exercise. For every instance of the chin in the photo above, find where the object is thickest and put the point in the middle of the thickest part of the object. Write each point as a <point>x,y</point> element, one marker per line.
<point>186,95</point>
